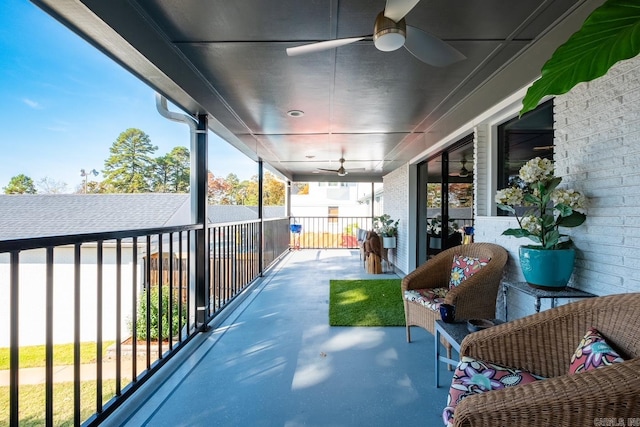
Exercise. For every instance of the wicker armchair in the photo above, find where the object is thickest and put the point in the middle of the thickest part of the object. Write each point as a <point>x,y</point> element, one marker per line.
<point>543,344</point>
<point>475,298</point>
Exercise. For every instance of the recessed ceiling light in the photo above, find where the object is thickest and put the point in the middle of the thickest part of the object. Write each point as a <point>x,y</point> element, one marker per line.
<point>310,157</point>
<point>295,113</point>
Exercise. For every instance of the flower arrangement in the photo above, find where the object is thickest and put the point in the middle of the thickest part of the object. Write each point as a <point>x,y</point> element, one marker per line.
<point>385,226</point>
<point>549,207</point>
<point>434,226</point>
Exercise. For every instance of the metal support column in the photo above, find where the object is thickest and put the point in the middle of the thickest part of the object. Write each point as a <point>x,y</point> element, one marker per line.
<point>199,168</point>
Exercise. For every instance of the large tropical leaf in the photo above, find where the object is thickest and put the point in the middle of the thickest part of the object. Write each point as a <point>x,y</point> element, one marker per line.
<point>610,34</point>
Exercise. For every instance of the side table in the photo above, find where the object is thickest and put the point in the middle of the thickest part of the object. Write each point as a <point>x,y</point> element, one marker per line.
<point>539,294</point>
<point>453,333</point>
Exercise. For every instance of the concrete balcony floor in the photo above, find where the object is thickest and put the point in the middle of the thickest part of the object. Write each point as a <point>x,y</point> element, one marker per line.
<point>275,361</point>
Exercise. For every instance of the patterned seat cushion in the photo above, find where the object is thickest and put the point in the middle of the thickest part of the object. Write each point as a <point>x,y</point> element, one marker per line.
<point>474,376</point>
<point>430,298</point>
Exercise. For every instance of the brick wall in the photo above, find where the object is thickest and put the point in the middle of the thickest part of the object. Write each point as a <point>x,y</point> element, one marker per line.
<point>396,204</point>
<point>597,151</point>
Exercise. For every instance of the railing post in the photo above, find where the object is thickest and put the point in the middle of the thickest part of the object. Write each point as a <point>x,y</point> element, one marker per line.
<point>202,246</point>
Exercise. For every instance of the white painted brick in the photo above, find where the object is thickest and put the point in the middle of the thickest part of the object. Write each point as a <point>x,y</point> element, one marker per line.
<point>597,150</point>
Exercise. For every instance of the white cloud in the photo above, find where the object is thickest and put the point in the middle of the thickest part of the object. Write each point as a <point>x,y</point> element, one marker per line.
<point>31,103</point>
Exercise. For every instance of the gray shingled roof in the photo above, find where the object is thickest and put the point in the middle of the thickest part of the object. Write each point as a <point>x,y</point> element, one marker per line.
<point>225,213</point>
<point>39,215</point>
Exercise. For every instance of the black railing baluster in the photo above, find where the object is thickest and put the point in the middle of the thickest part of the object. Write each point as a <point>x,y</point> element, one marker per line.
<point>180,285</point>
<point>188,306</point>
<point>99,284</point>
<point>77,306</point>
<point>14,362</point>
<point>160,286</point>
<point>49,338</point>
<point>170,272</point>
<point>118,316</point>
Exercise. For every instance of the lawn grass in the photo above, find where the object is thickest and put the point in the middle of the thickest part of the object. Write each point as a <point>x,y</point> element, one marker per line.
<point>366,303</point>
<point>32,398</point>
<point>34,356</point>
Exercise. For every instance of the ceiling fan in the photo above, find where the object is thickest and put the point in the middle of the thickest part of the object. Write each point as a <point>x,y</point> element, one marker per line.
<point>341,171</point>
<point>463,172</point>
<point>390,32</point>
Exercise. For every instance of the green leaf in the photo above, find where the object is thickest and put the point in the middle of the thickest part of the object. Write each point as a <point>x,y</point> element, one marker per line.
<point>516,232</point>
<point>506,208</point>
<point>548,221</point>
<point>531,199</point>
<point>610,34</point>
<point>552,184</point>
<point>563,209</point>
<point>551,239</point>
<point>573,220</point>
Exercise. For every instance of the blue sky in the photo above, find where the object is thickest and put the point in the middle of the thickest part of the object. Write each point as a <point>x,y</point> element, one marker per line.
<point>64,103</point>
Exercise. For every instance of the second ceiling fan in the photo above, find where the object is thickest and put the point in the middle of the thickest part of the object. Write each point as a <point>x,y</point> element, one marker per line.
<point>341,171</point>
<point>390,32</point>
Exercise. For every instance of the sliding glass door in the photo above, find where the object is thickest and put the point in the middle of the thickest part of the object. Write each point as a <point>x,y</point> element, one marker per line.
<point>445,199</point>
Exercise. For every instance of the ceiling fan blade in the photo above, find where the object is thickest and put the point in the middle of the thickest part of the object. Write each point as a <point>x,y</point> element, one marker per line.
<point>328,170</point>
<point>320,46</point>
<point>397,9</point>
<point>430,49</point>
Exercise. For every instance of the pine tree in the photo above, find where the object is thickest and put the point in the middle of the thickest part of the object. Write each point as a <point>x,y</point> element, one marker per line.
<point>20,184</point>
<point>128,168</point>
<point>172,172</point>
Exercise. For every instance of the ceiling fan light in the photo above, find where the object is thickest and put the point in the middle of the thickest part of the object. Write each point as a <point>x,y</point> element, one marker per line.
<point>389,35</point>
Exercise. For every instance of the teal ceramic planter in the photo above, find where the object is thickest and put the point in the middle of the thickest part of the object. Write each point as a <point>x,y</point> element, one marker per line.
<point>547,269</point>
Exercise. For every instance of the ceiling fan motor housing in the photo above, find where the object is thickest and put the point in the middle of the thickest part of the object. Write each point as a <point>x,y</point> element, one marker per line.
<point>389,35</point>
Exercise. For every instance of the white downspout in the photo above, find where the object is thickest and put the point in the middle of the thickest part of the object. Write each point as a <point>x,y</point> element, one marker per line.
<point>161,106</point>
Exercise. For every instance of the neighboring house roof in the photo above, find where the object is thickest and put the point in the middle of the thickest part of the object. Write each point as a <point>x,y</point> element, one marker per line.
<point>39,215</point>
<point>232,213</point>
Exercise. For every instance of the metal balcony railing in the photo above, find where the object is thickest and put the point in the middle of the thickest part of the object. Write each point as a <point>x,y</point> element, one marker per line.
<point>316,232</point>
<point>136,297</point>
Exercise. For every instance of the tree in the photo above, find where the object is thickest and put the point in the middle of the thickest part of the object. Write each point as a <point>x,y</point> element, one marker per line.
<point>172,171</point>
<point>218,190</point>
<point>50,186</point>
<point>273,190</point>
<point>20,184</point>
<point>130,164</point>
<point>94,187</point>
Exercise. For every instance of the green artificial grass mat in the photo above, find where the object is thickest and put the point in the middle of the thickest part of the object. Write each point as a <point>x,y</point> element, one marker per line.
<point>366,303</point>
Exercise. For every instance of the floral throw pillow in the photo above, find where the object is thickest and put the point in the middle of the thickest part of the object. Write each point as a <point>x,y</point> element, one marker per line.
<point>464,267</point>
<point>593,352</point>
<point>474,376</point>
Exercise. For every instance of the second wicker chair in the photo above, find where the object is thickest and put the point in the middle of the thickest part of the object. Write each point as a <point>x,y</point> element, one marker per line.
<point>474,298</point>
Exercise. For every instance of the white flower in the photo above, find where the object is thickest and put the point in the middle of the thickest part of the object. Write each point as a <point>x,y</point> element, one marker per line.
<point>573,199</point>
<point>531,224</point>
<point>511,196</point>
<point>536,169</point>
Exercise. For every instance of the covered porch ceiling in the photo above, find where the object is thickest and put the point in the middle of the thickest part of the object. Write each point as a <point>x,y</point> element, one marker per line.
<point>377,110</point>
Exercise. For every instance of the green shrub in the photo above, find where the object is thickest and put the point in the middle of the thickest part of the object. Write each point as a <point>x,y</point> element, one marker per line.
<point>141,325</point>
